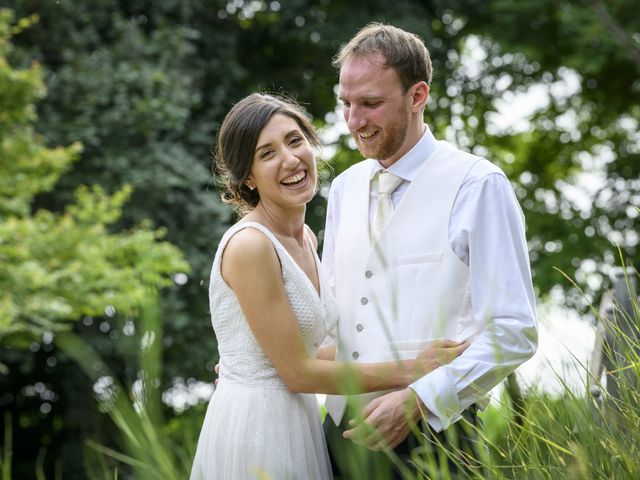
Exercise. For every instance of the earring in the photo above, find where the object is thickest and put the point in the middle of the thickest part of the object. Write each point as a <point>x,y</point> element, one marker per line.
<point>250,186</point>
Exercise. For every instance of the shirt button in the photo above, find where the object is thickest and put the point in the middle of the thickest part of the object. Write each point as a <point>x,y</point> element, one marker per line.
<point>359,327</point>
<point>355,355</point>
<point>364,300</point>
<point>368,274</point>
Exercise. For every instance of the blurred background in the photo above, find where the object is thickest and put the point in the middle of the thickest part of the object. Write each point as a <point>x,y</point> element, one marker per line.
<point>109,213</point>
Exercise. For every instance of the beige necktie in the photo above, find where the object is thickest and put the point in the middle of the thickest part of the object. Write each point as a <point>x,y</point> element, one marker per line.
<point>387,183</point>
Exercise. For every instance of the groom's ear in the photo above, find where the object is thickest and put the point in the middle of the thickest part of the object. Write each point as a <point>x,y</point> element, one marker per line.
<point>419,96</point>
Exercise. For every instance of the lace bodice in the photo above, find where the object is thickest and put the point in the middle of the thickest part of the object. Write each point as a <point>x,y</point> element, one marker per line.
<point>241,358</point>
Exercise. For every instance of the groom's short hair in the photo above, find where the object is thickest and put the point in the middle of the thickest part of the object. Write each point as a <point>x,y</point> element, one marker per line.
<point>405,52</point>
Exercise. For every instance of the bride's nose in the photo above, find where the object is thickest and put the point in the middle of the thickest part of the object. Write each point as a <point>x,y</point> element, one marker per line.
<point>290,158</point>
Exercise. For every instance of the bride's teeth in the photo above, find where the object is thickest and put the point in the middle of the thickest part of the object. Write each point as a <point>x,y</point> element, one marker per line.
<point>294,179</point>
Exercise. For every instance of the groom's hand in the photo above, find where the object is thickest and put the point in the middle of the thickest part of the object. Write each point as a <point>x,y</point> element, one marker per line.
<point>387,420</point>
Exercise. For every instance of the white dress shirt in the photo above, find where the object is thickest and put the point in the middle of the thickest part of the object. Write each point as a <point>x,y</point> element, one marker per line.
<point>487,232</point>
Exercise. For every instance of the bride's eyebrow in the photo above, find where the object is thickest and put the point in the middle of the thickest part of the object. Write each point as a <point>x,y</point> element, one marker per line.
<point>263,146</point>
<point>295,131</point>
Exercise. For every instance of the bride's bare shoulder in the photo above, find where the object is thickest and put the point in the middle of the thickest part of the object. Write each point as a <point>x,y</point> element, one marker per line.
<point>248,251</point>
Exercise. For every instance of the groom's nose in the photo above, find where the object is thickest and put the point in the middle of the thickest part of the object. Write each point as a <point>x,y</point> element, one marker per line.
<point>355,118</point>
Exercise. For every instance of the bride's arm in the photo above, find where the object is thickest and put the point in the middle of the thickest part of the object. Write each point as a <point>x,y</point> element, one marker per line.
<point>326,352</point>
<point>250,266</point>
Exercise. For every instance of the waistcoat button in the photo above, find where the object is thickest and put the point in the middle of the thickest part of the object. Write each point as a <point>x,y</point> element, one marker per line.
<point>359,327</point>
<point>364,300</point>
<point>355,355</point>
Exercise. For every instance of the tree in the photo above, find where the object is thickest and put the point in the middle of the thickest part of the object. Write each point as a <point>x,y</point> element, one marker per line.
<point>586,55</point>
<point>56,268</point>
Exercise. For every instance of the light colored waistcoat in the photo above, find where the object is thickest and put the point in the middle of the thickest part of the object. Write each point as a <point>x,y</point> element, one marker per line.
<point>410,287</point>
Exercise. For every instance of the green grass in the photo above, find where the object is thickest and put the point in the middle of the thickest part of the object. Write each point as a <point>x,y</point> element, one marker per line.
<point>146,449</point>
<point>571,436</point>
<point>575,435</point>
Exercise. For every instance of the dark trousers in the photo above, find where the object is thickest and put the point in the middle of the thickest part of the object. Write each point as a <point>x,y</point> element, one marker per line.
<point>451,454</point>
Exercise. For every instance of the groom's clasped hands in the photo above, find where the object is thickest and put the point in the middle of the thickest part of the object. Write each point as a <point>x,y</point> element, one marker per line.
<point>387,420</point>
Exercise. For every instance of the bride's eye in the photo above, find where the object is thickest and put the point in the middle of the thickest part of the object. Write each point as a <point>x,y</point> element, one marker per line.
<point>265,154</point>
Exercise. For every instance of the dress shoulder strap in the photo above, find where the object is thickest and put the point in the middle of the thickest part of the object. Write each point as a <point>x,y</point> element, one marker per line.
<point>310,236</point>
<point>241,226</point>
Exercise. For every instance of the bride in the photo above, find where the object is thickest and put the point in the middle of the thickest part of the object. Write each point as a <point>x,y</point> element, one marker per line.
<point>271,309</point>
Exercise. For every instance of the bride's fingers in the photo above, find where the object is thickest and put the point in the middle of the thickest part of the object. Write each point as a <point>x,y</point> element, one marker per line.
<point>446,343</point>
<point>217,370</point>
<point>447,355</point>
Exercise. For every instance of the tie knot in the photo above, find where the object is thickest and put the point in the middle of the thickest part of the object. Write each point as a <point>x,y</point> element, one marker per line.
<point>387,183</point>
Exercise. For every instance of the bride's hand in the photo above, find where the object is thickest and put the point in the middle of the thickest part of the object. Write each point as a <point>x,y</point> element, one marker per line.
<point>437,353</point>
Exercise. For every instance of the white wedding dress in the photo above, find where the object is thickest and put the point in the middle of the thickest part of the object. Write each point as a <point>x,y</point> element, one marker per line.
<point>254,427</point>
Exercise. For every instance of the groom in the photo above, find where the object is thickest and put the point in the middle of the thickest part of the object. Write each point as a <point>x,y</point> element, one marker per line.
<point>422,241</point>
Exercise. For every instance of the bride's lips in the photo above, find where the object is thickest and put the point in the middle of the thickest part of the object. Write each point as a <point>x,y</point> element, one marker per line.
<point>295,180</point>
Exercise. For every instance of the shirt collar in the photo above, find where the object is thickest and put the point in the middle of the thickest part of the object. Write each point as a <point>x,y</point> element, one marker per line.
<point>407,166</point>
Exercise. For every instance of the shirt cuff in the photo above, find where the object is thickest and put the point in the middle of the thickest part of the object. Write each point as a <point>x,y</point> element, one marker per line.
<point>436,390</point>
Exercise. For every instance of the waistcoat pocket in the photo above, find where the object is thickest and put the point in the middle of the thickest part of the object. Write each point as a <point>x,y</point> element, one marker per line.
<point>427,257</point>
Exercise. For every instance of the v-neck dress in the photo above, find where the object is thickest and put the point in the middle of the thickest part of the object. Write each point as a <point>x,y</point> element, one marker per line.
<point>254,427</point>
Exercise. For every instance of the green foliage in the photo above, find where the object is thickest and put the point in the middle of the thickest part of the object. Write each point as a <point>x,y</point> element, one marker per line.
<point>19,89</point>
<point>136,411</point>
<point>57,267</point>
<point>143,88</point>
<point>568,436</point>
<point>586,435</point>
<point>7,448</point>
<point>589,128</point>
<point>27,167</point>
